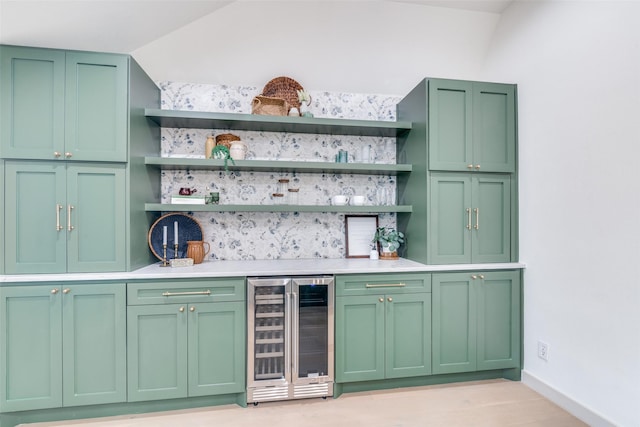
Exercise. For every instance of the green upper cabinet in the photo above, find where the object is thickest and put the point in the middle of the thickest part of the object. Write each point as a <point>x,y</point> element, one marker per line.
<point>63,105</point>
<point>62,345</point>
<point>476,321</point>
<point>472,126</point>
<point>470,218</point>
<point>64,217</point>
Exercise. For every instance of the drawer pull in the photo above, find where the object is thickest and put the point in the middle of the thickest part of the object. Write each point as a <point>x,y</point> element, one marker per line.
<point>385,285</point>
<point>177,294</point>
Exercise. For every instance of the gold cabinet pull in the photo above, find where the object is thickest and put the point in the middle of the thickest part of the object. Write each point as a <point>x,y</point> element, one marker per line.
<point>481,276</point>
<point>385,285</point>
<point>474,277</point>
<point>477,167</point>
<point>470,166</point>
<point>54,291</point>
<point>381,300</point>
<point>69,209</point>
<point>66,291</point>
<point>177,294</point>
<point>68,155</point>
<point>468,219</point>
<point>58,209</point>
<point>181,309</point>
<point>477,212</point>
<point>390,299</point>
<point>56,154</point>
<point>192,309</point>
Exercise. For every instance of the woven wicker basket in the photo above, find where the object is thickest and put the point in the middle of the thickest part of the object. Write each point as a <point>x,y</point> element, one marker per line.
<point>226,139</point>
<point>285,88</point>
<point>269,106</point>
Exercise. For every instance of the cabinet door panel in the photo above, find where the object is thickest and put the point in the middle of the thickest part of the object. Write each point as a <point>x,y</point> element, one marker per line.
<point>32,100</point>
<point>491,231</point>
<point>408,335</point>
<point>454,323</point>
<point>450,109</point>
<point>156,352</point>
<point>94,343</point>
<point>494,127</point>
<point>30,348</point>
<point>450,219</point>
<point>499,321</point>
<point>97,241</point>
<point>96,104</point>
<point>216,348</point>
<point>359,338</point>
<point>33,243</point>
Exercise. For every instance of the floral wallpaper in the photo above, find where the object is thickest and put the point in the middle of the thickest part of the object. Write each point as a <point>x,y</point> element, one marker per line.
<point>278,235</point>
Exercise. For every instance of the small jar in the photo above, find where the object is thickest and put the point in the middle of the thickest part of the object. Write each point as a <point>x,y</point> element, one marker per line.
<point>294,198</point>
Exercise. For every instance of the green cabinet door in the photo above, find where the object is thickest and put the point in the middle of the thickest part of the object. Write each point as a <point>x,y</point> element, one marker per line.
<point>216,348</point>
<point>470,219</point>
<point>360,338</point>
<point>472,126</point>
<point>32,102</point>
<point>408,335</point>
<point>96,96</point>
<point>454,320</point>
<point>96,228</point>
<point>157,352</point>
<point>476,321</point>
<point>94,344</point>
<point>63,105</point>
<point>61,218</point>
<point>35,212</point>
<point>499,313</point>
<point>30,348</point>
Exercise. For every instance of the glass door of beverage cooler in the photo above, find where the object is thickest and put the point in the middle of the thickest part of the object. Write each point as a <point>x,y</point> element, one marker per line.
<point>312,332</point>
<point>268,322</point>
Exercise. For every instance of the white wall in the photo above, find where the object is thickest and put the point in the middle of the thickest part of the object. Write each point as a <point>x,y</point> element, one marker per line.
<point>361,47</point>
<point>577,65</point>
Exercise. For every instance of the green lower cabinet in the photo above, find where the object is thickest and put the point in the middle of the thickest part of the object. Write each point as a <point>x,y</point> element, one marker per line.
<point>383,334</point>
<point>476,321</point>
<point>185,350</point>
<point>62,345</point>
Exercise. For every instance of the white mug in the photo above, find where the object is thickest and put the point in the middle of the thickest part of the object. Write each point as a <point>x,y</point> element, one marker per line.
<point>357,200</point>
<point>339,200</point>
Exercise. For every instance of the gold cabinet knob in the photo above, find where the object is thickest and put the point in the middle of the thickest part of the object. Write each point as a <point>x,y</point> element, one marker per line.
<point>477,167</point>
<point>54,291</point>
<point>481,276</point>
<point>66,291</point>
<point>56,154</point>
<point>68,154</point>
<point>390,299</point>
<point>181,309</point>
<point>192,309</point>
<point>474,277</point>
<point>381,300</point>
<point>470,166</point>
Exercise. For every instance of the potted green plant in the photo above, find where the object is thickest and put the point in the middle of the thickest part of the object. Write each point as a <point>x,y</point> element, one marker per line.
<point>389,240</point>
<point>222,152</point>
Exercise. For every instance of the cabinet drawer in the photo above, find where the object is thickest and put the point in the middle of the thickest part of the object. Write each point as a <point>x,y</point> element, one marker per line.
<point>181,291</point>
<point>367,284</point>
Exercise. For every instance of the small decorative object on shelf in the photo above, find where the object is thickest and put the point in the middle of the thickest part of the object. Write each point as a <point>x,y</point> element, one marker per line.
<point>269,106</point>
<point>226,139</point>
<point>213,198</point>
<point>222,152</point>
<point>285,88</point>
<point>238,150</point>
<point>389,240</point>
<point>208,146</point>
<point>305,100</point>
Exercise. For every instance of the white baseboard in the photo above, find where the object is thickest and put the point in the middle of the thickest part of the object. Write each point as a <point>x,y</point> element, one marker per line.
<point>574,408</point>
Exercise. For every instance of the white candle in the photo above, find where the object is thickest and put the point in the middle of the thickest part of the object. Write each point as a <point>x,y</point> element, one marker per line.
<point>175,232</point>
<point>164,235</point>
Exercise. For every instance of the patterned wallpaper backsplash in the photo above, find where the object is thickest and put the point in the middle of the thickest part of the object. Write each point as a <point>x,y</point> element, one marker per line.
<point>277,235</point>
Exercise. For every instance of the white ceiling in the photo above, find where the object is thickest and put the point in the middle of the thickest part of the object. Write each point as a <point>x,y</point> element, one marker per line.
<point>125,25</point>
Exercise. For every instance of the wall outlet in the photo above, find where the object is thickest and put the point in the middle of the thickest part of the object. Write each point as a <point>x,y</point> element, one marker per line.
<point>543,350</point>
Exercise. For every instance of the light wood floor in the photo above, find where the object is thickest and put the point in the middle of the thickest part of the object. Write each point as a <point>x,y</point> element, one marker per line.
<point>485,403</point>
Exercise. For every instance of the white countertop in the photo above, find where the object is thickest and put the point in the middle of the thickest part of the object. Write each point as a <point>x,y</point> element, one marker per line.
<point>291,267</point>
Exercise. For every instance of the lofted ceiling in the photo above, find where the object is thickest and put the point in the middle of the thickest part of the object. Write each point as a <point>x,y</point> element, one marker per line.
<point>125,25</point>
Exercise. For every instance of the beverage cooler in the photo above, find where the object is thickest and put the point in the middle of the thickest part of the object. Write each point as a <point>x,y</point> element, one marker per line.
<point>290,338</point>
